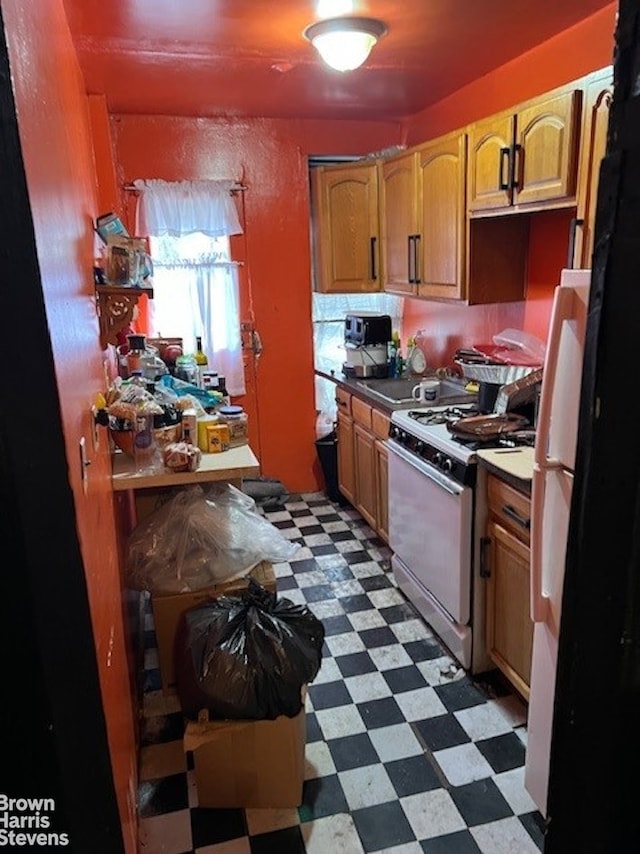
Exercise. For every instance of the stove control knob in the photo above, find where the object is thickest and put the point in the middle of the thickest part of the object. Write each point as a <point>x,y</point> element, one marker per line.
<point>447,465</point>
<point>437,459</point>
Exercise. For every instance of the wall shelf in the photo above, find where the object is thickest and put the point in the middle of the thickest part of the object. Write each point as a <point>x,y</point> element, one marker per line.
<point>115,309</point>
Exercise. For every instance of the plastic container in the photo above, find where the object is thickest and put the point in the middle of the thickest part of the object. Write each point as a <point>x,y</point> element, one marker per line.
<point>327,450</point>
<point>238,423</point>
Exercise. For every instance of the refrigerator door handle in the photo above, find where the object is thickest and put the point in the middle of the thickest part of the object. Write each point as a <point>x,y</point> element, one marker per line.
<point>539,604</point>
<point>561,312</point>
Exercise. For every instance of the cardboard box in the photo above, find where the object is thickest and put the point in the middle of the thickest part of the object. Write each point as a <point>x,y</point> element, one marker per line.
<point>168,608</point>
<point>256,764</point>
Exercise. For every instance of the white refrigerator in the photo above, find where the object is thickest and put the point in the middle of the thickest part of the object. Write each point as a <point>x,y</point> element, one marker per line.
<point>554,460</point>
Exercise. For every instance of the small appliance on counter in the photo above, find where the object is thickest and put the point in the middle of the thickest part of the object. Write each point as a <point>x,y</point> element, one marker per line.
<point>366,339</point>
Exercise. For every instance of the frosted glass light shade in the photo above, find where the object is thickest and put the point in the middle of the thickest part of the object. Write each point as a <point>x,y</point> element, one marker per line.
<point>345,43</point>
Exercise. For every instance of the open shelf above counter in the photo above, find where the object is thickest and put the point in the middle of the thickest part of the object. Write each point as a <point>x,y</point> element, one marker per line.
<point>115,309</point>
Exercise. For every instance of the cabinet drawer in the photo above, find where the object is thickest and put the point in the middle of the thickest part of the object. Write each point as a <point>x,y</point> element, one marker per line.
<point>361,412</point>
<point>510,507</point>
<point>343,400</point>
<point>380,424</point>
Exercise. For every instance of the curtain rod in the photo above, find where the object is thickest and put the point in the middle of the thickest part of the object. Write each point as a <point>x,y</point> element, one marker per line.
<point>237,188</point>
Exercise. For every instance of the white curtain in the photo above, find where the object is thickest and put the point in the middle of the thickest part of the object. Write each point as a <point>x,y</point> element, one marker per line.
<point>195,282</point>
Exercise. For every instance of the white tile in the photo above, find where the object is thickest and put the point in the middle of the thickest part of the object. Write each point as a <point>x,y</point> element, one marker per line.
<point>503,837</point>
<point>305,521</point>
<point>347,588</point>
<point>371,619</point>
<point>432,814</point>
<point>463,764</point>
<point>332,561</point>
<point>366,569</point>
<point>329,672</point>
<point>317,540</point>
<point>151,659</point>
<point>345,546</point>
<point>511,784</point>
<point>411,630</point>
<point>282,570</point>
<point>483,721</point>
<point>162,760</point>
<point>341,721</point>
<point>327,608</point>
<point>192,789</point>
<point>290,533</point>
<point>440,671</point>
<point>420,704</point>
<point>387,597</point>
<point>522,734</point>
<point>279,516</point>
<point>311,579</point>
<point>366,787</point>
<point>334,527</point>
<point>295,596</point>
<point>264,821</point>
<point>368,686</point>
<point>390,657</point>
<point>234,846</point>
<point>303,553</point>
<point>336,834</point>
<point>345,643</point>
<point>169,833</point>
<point>395,742</point>
<point>318,761</point>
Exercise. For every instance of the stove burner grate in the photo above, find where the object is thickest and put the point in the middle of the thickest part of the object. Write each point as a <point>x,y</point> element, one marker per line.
<point>440,416</point>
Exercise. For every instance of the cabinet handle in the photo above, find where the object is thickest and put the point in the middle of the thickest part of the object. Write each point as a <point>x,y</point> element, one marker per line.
<point>372,250</point>
<point>416,258</point>
<point>516,166</point>
<point>503,184</point>
<point>512,513</point>
<point>342,403</point>
<point>485,569</point>
<point>575,222</point>
<point>410,276</point>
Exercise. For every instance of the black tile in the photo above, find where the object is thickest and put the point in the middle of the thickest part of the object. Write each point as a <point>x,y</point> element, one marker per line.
<point>359,556</point>
<point>298,514</point>
<point>161,728</point>
<point>307,530</point>
<point>376,582</point>
<point>318,593</point>
<point>404,679</point>
<point>461,694</point>
<point>480,802</point>
<point>321,797</point>
<point>412,775</point>
<point>287,582</point>
<point>284,523</point>
<point>152,680</point>
<point>382,826</point>
<point>461,842</point>
<point>502,752</point>
<point>380,636</point>
<point>398,613</point>
<point>209,826</point>
<point>314,733</point>
<point>353,751</point>
<point>533,823</point>
<point>341,536</point>
<point>287,841</point>
<point>328,517</point>
<point>168,794</point>
<point>338,625</point>
<point>356,663</point>
<point>327,549</point>
<point>358,602</point>
<point>329,695</point>
<point>190,760</point>
<point>441,732</point>
<point>313,502</point>
<point>149,639</point>
<point>424,650</point>
<point>383,712</point>
<point>307,564</point>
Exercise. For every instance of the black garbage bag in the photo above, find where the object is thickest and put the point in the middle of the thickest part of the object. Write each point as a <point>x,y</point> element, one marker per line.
<point>246,657</point>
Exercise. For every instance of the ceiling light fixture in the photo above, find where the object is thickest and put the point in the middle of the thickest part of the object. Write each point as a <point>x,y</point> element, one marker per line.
<point>345,43</point>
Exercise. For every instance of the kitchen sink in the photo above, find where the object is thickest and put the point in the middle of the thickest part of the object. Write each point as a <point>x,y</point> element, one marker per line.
<point>399,390</point>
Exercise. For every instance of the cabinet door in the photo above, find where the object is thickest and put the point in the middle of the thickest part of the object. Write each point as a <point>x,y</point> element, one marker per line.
<point>346,467</point>
<point>546,156</point>
<point>399,224</point>
<point>490,143</point>
<point>345,228</point>
<point>382,489</point>
<point>365,460</point>
<point>442,218</point>
<point>597,102</point>
<point>509,625</point>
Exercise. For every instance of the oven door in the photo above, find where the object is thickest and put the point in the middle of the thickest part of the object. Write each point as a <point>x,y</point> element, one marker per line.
<point>430,529</point>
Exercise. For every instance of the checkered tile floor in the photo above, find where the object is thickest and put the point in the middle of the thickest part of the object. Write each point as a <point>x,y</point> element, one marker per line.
<point>405,752</point>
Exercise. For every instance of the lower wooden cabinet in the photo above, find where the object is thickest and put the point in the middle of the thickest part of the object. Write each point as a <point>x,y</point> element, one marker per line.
<point>362,459</point>
<point>506,562</point>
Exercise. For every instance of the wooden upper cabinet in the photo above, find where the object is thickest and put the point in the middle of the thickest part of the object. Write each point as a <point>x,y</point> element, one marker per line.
<point>345,228</point>
<point>441,240</point>
<point>529,159</point>
<point>597,102</point>
<point>399,224</point>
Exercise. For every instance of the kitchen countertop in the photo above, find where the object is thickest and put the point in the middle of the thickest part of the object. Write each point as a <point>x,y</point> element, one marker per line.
<point>515,465</point>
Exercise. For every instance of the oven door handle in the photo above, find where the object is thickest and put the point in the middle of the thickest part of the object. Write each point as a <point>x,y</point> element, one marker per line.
<point>426,469</point>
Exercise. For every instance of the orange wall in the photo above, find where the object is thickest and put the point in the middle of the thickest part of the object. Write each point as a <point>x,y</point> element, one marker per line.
<point>568,56</point>
<point>56,142</point>
<point>270,156</point>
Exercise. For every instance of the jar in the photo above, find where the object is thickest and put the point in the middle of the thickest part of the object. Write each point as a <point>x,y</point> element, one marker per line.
<point>236,419</point>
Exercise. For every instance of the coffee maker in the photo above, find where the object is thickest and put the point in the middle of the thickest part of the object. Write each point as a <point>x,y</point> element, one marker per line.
<point>366,339</point>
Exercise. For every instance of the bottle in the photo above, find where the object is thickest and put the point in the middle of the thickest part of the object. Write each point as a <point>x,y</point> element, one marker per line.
<point>201,360</point>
